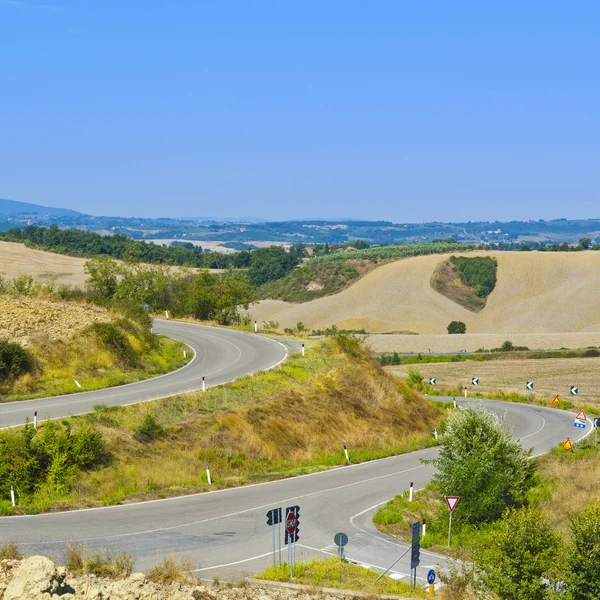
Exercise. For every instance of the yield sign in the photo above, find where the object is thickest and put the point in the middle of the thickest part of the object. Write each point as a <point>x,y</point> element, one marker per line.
<point>452,501</point>
<point>581,416</point>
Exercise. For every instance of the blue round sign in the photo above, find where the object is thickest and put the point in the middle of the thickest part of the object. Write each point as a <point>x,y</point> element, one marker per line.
<point>431,576</point>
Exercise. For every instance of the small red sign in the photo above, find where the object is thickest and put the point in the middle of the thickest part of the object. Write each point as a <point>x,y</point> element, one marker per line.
<point>581,416</point>
<point>452,501</point>
<point>291,523</point>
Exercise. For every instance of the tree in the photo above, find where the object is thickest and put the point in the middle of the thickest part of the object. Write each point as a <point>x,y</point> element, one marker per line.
<point>507,346</point>
<point>583,580</point>
<point>481,462</point>
<point>585,242</point>
<point>520,561</point>
<point>457,327</point>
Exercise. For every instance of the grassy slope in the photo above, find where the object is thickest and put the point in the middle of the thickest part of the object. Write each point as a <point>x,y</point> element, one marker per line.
<point>94,365</point>
<point>292,420</point>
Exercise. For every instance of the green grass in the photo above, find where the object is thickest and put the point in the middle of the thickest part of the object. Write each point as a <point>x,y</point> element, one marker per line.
<point>99,371</point>
<point>333,573</point>
<point>491,355</point>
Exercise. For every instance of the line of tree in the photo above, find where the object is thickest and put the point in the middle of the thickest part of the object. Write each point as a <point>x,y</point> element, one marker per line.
<point>265,264</point>
<point>203,295</point>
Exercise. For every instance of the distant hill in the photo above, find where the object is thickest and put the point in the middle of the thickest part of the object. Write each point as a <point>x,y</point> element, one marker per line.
<point>536,292</point>
<point>12,207</point>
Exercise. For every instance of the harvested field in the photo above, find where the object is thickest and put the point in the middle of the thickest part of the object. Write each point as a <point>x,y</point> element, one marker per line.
<point>537,292</point>
<point>45,267</point>
<point>441,344</point>
<point>550,376</point>
<point>31,320</point>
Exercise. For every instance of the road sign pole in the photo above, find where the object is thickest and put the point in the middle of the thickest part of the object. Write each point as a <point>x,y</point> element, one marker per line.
<point>411,579</point>
<point>279,536</point>
<point>274,555</point>
<point>449,528</point>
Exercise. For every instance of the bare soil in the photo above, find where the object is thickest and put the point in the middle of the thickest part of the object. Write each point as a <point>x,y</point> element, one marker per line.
<point>32,320</point>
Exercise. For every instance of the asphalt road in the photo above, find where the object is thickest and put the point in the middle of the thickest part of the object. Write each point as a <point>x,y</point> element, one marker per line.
<point>225,531</point>
<point>221,355</point>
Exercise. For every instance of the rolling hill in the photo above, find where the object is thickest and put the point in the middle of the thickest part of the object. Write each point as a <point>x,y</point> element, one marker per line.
<point>536,293</point>
<point>13,207</point>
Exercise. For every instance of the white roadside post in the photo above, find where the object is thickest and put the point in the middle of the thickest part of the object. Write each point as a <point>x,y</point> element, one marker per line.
<point>302,349</point>
<point>435,433</point>
<point>203,384</point>
<point>465,392</point>
<point>35,419</point>
<point>12,495</point>
<point>424,527</point>
<point>346,453</point>
<point>77,383</point>
<point>255,327</point>
<point>167,314</point>
<point>184,353</point>
<point>455,403</point>
<point>410,492</point>
<point>208,475</point>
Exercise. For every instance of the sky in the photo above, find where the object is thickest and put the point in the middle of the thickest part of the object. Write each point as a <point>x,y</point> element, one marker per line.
<point>402,111</point>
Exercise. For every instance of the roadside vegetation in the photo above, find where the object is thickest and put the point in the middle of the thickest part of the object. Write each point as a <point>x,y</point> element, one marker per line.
<point>333,573</point>
<point>523,528</point>
<point>292,420</point>
<point>468,281</point>
<point>507,352</point>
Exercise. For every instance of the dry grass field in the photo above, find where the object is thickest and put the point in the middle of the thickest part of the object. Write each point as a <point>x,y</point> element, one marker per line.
<point>444,343</point>
<point>46,267</point>
<point>550,376</point>
<point>536,292</point>
<point>32,320</point>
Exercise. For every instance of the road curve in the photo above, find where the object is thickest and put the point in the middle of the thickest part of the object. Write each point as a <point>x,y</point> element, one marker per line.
<point>225,532</point>
<point>221,355</point>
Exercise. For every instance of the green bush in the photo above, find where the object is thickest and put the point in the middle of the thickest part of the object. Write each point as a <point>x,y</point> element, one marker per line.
<point>115,341</point>
<point>478,272</point>
<point>414,379</point>
<point>457,327</point>
<point>14,360</point>
<point>48,457</point>
<point>521,560</point>
<point>583,580</point>
<point>149,429</point>
<point>480,461</point>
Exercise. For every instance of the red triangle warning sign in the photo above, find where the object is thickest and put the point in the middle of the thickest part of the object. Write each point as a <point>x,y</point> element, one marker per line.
<point>581,416</point>
<point>452,501</point>
<point>568,445</point>
<point>556,400</point>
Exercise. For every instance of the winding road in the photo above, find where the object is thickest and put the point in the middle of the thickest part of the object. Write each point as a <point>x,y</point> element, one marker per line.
<point>225,531</point>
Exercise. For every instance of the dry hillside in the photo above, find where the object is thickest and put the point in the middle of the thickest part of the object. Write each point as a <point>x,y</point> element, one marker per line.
<point>29,320</point>
<point>536,293</point>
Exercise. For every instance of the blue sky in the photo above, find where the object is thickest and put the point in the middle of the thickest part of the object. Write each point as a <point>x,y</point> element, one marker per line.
<point>406,111</point>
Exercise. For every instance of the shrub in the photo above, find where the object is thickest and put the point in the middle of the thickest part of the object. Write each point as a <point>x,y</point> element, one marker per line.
<point>481,461</point>
<point>149,429</point>
<point>81,560</point>
<point>14,360</point>
<point>507,346</point>
<point>478,272</point>
<point>10,551</point>
<point>457,327</point>
<point>520,561</point>
<point>116,342</point>
<point>171,570</point>
<point>414,379</point>
<point>583,580</point>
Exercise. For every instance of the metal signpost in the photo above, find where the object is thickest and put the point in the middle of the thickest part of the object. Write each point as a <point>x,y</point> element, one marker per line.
<point>451,501</point>
<point>596,425</point>
<point>274,518</point>
<point>292,520</point>
<point>340,539</point>
<point>415,553</point>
